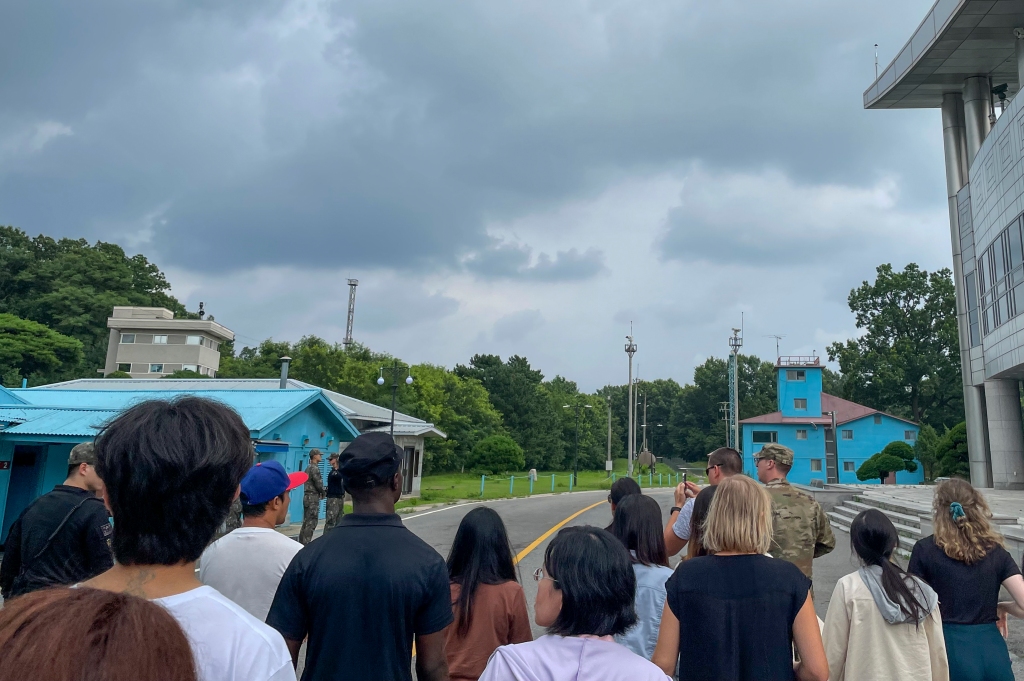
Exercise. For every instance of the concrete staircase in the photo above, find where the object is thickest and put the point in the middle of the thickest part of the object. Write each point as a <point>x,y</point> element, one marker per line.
<point>912,519</point>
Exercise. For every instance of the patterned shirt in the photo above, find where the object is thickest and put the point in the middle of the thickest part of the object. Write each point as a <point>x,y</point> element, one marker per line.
<point>802,531</point>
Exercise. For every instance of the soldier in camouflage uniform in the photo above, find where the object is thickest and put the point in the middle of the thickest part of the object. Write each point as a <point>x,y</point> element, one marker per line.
<point>802,530</point>
<point>311,498</point>
<point>335,494</point>
<point>234,520</point>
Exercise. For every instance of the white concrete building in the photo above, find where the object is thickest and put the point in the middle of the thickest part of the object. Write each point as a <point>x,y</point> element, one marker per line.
<point>149,342</point>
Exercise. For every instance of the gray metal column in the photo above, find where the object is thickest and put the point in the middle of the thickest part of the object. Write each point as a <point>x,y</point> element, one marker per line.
<point>977,107</point>
<point>1005,433</point>
<point>1018,33</point>
<point>955,148</point>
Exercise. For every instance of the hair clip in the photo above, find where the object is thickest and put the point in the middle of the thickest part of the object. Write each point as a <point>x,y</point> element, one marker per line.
<point>957,511</point>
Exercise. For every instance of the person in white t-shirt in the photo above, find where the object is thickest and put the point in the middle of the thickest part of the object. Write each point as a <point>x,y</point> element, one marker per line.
<point>170,472</point>
<point>246,564</point>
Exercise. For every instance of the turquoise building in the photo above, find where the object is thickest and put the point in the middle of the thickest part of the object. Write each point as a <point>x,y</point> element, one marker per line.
<point>38,428</point>
<point>804,423</point>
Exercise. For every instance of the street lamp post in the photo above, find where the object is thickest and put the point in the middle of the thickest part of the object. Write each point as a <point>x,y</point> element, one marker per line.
<point>394,370</point>
<point>630,350</point>
<point>608,465</point>
<point>576,457</point>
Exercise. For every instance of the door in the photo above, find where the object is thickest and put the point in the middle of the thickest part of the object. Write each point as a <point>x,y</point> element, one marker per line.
<point>24,483</point>
<point>831,460</point>
<point>408,469</point>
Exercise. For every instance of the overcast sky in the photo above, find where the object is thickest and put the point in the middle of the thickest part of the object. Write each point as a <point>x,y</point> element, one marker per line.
<point>524,177</point>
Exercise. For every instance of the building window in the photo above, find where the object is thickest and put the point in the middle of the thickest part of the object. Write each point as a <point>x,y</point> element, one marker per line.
<point>127,338</point>
<point>194,340</point>
<point>125,367</point>
<point>878,419</point>
<point>848,467</point>
<point>796,375</point>
<point>156,368</point>
<point>764,436</point>
<point>847,434</point>
<point>159,340</point>
<point>909,435</point>
<point>800,403</point>
<point>801,435</point>
<point>190,367</point>
<point>815,465</point>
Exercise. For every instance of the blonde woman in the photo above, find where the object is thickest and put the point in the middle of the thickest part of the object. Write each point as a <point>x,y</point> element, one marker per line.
<point>736,615</point>
<point>965,563</point>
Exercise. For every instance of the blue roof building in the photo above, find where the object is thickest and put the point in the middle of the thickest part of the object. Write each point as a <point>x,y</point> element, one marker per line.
<point>38,428</point>
<point>804,423</point>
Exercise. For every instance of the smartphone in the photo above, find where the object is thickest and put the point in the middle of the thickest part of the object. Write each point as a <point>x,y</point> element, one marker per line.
<point>684,478</point>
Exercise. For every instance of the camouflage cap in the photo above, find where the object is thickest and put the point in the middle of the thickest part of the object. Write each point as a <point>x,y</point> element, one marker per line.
<point>83,452</point>
<point>777,453</point>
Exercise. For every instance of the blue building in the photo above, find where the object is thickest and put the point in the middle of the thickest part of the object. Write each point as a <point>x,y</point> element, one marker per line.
<point>38,428</point>
<point>804,424</point>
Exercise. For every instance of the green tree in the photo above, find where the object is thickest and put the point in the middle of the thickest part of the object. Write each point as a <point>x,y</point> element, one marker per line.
<point>72,286</point>
<point>497,454</point>
<point>185,373</point>
<point>33,351</point>
<point>925,450</point>
<point>118,374</point>
<point>907,359</point>
<point>951,452</point>
<point>879,466</point>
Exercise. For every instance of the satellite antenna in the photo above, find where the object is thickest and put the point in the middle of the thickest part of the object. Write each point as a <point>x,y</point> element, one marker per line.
<point>352,283</point>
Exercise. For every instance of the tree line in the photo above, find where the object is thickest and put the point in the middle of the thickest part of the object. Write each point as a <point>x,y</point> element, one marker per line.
<point>55,297</point>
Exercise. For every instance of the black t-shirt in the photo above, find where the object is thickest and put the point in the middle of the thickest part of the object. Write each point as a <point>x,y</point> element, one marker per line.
<point>736,616</point>
<point>361,592</point>
<point>968,594</point>
<point>80,549</point>
<point>335,484</point>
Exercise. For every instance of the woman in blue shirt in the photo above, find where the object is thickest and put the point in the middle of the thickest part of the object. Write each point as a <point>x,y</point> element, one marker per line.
<point>638,526</point>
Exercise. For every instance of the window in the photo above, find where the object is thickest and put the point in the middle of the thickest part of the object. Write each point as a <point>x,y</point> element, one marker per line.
<point>801,435</point>
<point>800,403</point>
<point>796,375</point>
<point>156,368</point>
<point>764,436</point>
<point>127,338</point>
<point>190,367</point>
<point>847,434</point>
<point>125,367</point>
<point>878,419</point>
<point>909,435</point>
<point>194,340</point>
<point>848,467</point>
<point>815,465</point>
<point>160,340</point>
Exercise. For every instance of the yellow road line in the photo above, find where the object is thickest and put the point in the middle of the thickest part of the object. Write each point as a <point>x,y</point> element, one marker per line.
<point>537,542</point>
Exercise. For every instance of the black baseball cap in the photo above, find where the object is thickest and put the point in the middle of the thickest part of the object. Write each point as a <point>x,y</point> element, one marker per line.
<point>370,460</point>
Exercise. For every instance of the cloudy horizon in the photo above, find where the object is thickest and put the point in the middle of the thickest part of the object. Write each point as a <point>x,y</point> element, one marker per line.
<point>524,179</point>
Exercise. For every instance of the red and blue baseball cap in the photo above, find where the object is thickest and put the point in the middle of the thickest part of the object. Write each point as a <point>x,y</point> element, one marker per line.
<point>267,480</point>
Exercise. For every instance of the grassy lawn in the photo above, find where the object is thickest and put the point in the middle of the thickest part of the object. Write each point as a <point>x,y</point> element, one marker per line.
<point>456,486</point>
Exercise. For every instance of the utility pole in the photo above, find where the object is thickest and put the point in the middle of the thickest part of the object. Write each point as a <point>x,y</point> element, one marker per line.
<point>630,351</point>
<point>777,339</point>
<point>608,464</point>
<point>735,342</point>
<point>576,457</point>
<point>723,409</point>
<point>352,283</point>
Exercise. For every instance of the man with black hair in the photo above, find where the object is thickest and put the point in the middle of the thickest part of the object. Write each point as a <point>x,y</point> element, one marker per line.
<point>246,564</point>
<point>311,497</point>
<point>63,536</point>
<point>371,579</point>
<point>170,472</point>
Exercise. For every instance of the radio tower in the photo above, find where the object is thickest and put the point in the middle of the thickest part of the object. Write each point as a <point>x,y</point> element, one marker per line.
<point>352,283</point>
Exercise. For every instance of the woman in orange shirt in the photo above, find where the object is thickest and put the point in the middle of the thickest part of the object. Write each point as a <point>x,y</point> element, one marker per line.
<point>487,600</point>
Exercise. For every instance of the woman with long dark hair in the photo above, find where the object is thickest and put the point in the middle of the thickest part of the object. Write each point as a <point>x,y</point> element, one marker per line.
<point>82,634</point>
<point>882,623</point>
<point>637,525</point>
<point>620,489</point>
<point>701,506</point>
<point>966,563</point>
<point>487,600</point>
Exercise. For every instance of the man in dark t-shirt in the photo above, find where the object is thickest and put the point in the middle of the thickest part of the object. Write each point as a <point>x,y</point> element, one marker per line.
<point>369,588</point>
<point>63,537</point>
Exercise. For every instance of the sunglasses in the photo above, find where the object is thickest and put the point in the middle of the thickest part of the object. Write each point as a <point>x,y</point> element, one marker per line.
<point>538,575</point>
<point>707,471</point>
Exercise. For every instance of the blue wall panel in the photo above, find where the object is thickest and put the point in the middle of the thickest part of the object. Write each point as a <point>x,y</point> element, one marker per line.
<point>808,389</point>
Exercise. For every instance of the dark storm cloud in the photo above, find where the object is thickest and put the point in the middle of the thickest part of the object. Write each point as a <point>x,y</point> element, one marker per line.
<point>515,261</point>
<point>388,133</point>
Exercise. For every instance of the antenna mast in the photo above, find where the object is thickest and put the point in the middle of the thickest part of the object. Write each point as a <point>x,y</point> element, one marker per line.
<point>777,339</point>
<point>352,283</point>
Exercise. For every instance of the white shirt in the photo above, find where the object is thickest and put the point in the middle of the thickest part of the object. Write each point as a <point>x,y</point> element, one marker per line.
<point>228,643</point>
<point>681,527</point>
<point>246,565</point>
